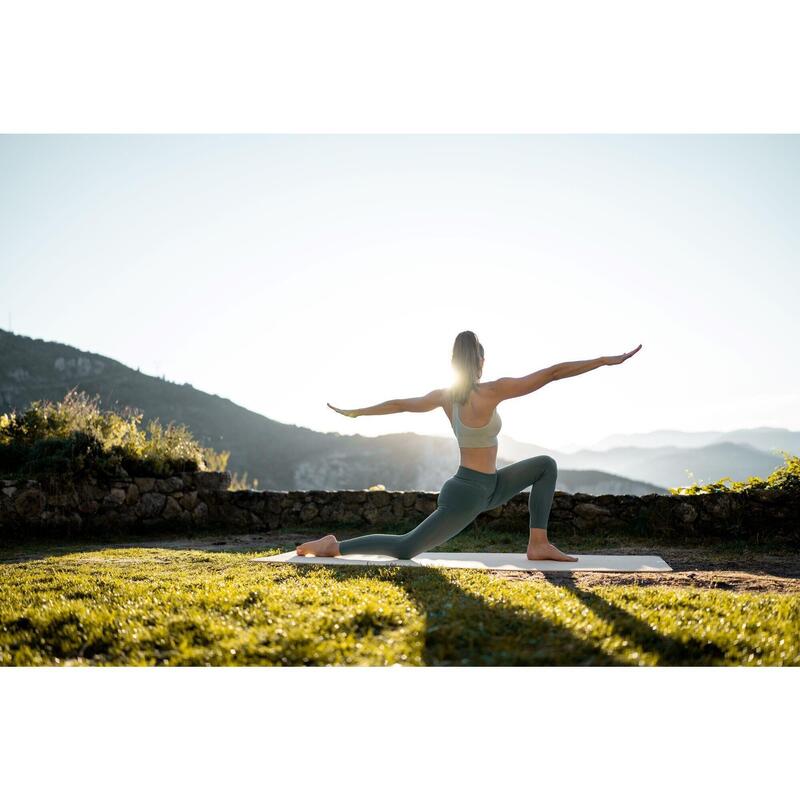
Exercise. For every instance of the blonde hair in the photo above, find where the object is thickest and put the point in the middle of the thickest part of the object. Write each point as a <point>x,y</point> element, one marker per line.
<point>466,362</point>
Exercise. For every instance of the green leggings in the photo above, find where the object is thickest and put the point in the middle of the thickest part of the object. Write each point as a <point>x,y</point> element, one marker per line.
<point>462,497</point>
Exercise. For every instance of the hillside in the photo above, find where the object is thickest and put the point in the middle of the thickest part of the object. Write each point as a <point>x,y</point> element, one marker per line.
<point>280,456</point>
<point>764,438</point>
<point>664,465</point>
<point>678,466</point>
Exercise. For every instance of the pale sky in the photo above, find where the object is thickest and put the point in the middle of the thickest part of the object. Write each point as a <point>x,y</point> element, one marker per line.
<point>284,272</point>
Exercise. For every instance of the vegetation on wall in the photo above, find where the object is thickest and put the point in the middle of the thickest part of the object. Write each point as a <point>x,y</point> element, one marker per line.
<point>786,477</point>
<point>73,437</point>
<point>218,462</point>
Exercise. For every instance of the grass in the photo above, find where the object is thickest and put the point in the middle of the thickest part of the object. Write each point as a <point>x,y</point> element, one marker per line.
<point>157,605</point>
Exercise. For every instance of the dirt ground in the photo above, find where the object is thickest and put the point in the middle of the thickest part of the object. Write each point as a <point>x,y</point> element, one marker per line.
<point>693,567</point>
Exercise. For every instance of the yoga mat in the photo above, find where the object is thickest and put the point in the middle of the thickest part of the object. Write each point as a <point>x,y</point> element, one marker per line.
<point>505,561</point>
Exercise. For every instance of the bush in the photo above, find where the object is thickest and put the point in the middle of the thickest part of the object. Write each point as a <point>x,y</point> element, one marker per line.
<point>784,477</point>
<point>74,437</point>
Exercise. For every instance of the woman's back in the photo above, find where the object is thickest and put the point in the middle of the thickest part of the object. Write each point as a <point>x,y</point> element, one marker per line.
<point>476,405</point>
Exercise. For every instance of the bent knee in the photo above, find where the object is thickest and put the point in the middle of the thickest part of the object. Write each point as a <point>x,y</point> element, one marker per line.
<point>550,463</point>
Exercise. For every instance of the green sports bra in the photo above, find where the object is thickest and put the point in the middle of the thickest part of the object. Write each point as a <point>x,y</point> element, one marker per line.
<point>485,436</point>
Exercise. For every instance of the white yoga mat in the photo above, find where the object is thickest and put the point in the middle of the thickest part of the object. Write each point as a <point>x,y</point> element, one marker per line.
<point>506,561</point>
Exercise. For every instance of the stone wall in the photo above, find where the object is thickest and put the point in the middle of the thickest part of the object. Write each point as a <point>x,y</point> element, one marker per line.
<point>202,500</point>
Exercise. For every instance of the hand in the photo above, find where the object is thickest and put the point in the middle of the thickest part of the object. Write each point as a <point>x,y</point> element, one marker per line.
<point>623,357</point>
<point>347,413</point>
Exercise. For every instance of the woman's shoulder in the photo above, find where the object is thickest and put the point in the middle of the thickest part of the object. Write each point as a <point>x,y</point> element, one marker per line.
<point>484,391</point>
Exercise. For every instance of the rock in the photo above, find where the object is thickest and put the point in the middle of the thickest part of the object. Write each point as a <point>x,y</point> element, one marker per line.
<point>591,511</point>
<point>370,514</point>
<point>349,515</point>
<point>67,499</point>
<point>686,513</point>
<point>354,497</point>
<point>152,504</point>
<point>30,503</point>
<point>132,495</point>
<point>237,516</point>
<point>379,499</point>
<point>88,506</point>
<point>167,485</point>
<point>212,481</point>
<point>309,512</point>
<point>200,512</point>
<point>427,505</point>
<point>494,513</point>
<point>145,484</point>
<point>95,492</point>
<point>116,497</point>
<point>189,500</point>
<point>10,491</point>
<point>172,509</point>
<point>718,504</point>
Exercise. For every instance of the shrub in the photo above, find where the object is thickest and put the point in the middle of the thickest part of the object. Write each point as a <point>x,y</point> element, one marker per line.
<point>74,437</point>
<point>786,476</point>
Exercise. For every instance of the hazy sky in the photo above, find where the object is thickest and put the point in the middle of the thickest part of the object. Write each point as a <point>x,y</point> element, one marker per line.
<point>284,272</point>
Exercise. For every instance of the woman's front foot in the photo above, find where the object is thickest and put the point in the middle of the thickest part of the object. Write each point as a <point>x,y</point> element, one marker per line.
<point>326,546</point>
<point>547,552</point>
<point>540,549</point>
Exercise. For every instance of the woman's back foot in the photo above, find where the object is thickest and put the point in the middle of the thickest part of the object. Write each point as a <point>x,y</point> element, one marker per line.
<point>547,552</point>
<point>327,546</point>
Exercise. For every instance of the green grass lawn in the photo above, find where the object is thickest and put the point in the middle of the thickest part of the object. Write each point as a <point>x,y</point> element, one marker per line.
<point>140,606</point>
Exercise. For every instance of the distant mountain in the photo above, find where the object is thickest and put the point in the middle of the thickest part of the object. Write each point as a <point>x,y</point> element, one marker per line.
<point>664,466</point>
<point>281,457</point>
<point>766,439</point>
<point>678,466</point>
<point>576,480</point>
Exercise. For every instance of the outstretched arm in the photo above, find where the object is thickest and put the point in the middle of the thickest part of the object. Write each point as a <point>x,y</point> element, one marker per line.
<point>417,404</point>
<point>569,369</point>
<point>516,387</point>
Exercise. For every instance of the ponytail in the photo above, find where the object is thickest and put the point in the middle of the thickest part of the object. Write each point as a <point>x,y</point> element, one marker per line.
<point>466,363</point>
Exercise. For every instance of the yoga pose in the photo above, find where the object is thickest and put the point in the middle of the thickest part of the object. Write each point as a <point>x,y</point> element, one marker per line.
<point>477,485</point>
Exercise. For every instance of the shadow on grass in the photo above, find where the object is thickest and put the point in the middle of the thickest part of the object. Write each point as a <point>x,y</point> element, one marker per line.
<point>462,629</point>
<point>670,650</point>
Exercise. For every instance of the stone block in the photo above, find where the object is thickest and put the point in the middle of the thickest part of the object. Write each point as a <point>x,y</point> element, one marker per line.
<point>152,504</point>
<point>212,481</point>
<point>172,508</point>
<point>30,502</point>
<point>189,500</point>
<point>116,497</point>
<point>167,485</point>
<point>132,494</point>
<point>145,484</point>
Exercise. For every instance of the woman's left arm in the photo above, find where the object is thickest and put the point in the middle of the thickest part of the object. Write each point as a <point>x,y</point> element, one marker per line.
<point>568,369</point>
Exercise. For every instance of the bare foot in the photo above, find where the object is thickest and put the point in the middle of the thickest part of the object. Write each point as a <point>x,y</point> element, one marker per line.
<point>547,552</point>
<point>326,546</point>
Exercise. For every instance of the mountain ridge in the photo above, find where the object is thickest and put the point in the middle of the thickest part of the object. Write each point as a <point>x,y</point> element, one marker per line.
<point>286,456</point>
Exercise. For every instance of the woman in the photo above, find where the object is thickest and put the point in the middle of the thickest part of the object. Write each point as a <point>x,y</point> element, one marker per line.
<point>477,485</point>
